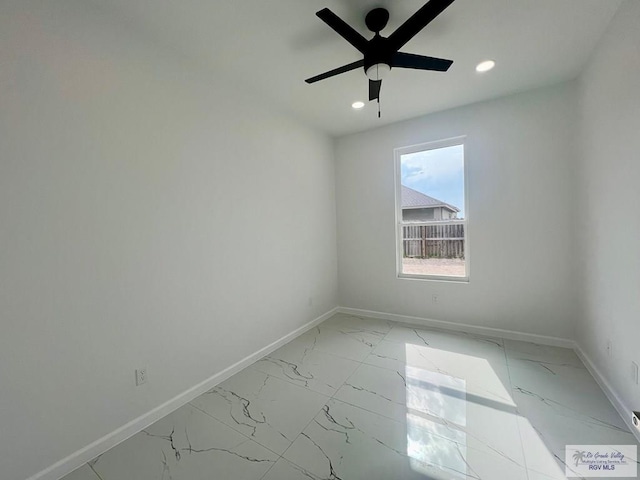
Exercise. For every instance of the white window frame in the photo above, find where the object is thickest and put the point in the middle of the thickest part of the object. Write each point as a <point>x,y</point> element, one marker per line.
<point>397,153</point>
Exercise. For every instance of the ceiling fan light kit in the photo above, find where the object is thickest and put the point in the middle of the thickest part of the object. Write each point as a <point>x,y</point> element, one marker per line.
<point>381,54</point>
<point>378,71</point>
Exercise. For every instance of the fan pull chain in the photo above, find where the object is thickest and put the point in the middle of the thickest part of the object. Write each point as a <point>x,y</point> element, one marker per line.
<point>378,107</point>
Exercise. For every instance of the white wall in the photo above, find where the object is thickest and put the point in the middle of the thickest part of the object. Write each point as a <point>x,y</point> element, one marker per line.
<point>610,166</point>
<point>520,152</point>
<point>142,224</point>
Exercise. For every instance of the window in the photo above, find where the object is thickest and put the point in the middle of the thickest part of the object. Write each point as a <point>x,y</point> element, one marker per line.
<point>431,211</point>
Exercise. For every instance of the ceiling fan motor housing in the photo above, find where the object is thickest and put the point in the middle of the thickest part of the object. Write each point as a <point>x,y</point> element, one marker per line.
<point>378,51</point>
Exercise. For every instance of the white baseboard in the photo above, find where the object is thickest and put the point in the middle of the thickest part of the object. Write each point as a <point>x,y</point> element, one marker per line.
<point>84,455</point>
<point>91,451</point>
<point>462,327</point>
<point>614,398</point>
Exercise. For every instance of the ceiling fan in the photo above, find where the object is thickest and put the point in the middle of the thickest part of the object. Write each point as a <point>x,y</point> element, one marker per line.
<point>380,53</point>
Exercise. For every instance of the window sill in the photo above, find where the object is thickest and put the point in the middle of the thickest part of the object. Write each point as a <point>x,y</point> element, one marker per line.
<point>433,278</point>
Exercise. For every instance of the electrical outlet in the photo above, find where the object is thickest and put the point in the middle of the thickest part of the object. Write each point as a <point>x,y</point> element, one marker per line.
<point>635,419</point>
<point>609,349</point>
<point>141,376</point>
<point>434,298</point>
<point>634,372</point>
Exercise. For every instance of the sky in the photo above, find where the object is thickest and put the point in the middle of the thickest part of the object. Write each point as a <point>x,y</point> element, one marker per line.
<point>438,173</point>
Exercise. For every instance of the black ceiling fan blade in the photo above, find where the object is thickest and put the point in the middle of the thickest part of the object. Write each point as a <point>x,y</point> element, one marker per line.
<point>336,71</point>
<point>420,62</point>
<point>374,89</point>
<point>343,29</point>
<point>417,22</point>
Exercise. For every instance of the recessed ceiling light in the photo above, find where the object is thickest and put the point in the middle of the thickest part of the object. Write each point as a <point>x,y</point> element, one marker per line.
<point>485,66</point>
<point>357,105</point>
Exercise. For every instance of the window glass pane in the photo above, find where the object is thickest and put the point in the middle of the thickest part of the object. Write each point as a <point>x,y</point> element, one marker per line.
<point>433,219</point>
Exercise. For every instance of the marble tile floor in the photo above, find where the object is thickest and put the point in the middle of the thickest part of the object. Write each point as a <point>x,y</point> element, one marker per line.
<point>359,398</point>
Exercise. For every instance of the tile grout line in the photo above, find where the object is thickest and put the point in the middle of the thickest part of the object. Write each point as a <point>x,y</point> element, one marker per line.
<point>583,367</point>
<point>330,353</point>
<point>322,408</point>
<point>524,456</point>
<point>308,388</point>
<point>413,327</point>
<point>362,363</point>
<point>393,324</point>
<point>233,428</point>
<point>290,382</point>
<point>279,456</point>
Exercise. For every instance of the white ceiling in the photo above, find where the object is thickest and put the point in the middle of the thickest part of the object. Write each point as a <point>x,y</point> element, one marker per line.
<point>271,46</point>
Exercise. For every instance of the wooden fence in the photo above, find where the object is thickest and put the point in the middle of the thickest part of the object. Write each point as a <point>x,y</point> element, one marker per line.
<point>433,241</point>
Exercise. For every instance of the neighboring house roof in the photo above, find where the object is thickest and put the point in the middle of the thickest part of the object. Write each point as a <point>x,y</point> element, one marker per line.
<point>414,199</point>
